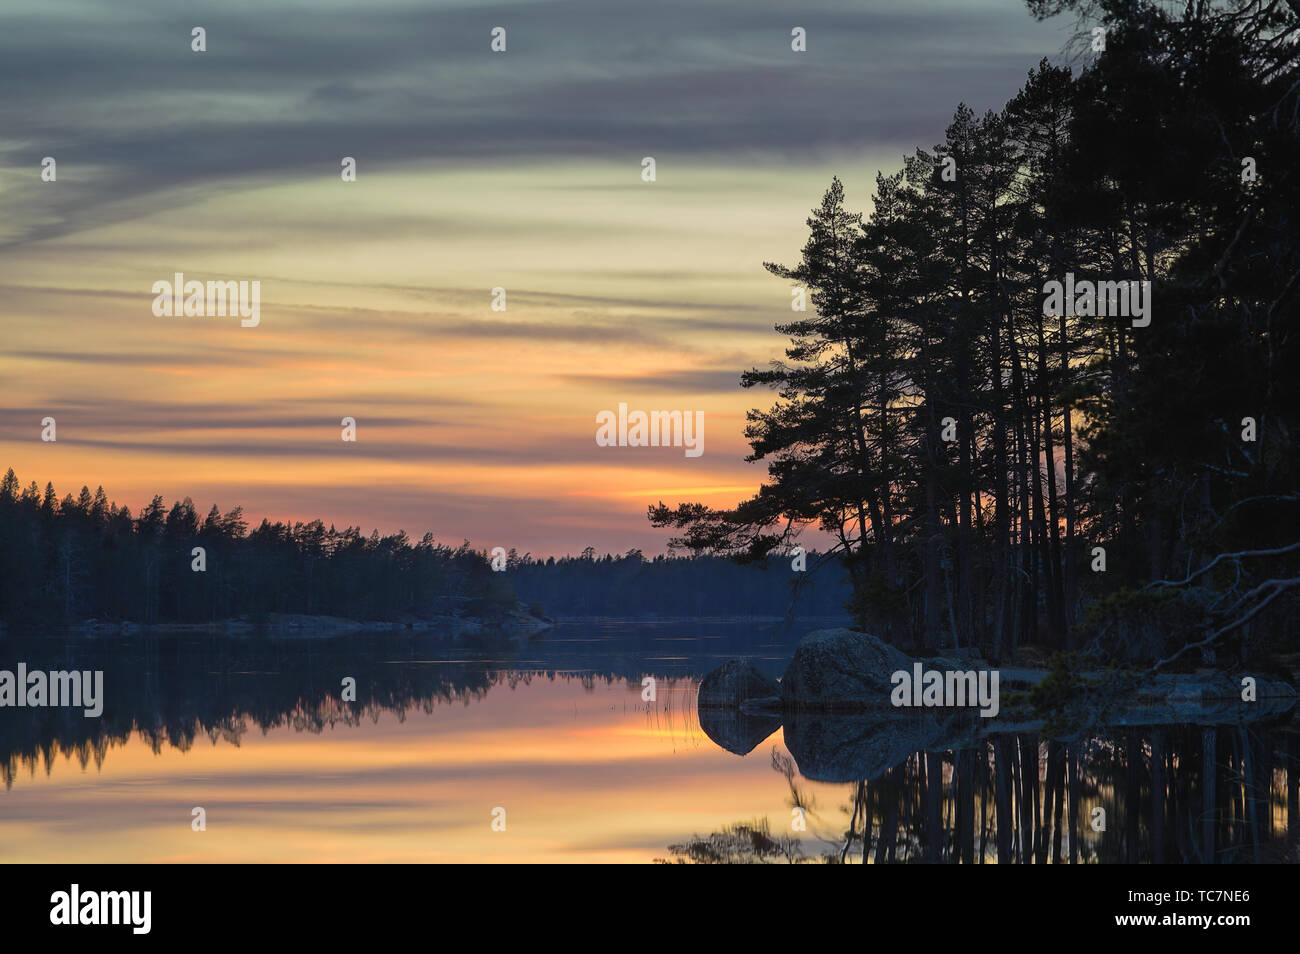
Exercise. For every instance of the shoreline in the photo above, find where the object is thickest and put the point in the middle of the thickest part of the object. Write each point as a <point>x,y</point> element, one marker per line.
<point>516,624</point>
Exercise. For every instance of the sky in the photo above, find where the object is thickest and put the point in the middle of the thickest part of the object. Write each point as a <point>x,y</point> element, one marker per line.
<point>475,170</point>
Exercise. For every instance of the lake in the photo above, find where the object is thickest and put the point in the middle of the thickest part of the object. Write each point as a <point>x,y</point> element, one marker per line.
<point>489,750</point>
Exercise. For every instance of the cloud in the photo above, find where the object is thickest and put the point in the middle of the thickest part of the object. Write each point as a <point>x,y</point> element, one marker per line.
<point>132,114</point>
<point>695,381</point>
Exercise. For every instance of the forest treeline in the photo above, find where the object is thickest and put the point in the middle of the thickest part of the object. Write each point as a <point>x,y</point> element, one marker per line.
<point>67,560</point>
<point>666,586</point>
<point>995,472</point>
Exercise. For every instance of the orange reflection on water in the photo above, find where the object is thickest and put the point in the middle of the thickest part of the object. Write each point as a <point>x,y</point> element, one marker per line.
<point>583,775</point>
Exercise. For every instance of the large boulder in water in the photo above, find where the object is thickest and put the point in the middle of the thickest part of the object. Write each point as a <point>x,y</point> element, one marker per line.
<point>734,683</point>
<point>840,669</point>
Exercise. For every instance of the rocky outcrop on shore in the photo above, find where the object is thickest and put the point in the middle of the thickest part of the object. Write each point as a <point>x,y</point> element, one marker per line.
<point>842,670</point>
<point>839,669</point>
<point>834,705</point>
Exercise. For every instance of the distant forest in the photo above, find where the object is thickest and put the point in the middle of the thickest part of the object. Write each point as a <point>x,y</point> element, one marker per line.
<point>633,585</point>
<point>85,557</point>
<point>999,466</point>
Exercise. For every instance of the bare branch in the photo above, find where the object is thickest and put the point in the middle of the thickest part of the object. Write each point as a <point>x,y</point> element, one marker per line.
<point>1279,587</point>
<point>1224,556</point>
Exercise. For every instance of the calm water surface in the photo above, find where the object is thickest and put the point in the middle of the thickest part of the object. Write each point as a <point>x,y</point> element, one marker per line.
<point>556,732</point>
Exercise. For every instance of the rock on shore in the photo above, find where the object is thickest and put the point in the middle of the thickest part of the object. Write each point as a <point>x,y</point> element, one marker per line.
<point>841,669</point>
<point>839,725</point>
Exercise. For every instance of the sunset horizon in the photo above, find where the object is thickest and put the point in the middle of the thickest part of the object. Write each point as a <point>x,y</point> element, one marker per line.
<point>377,298</point>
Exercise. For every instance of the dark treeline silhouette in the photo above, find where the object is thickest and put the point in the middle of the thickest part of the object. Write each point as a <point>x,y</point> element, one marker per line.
<point>970,447</point>
<point>77,558</point>
<point>632,585</point>
<point>174,691</point>
<point>65,561</point>
<point>1180,794</point>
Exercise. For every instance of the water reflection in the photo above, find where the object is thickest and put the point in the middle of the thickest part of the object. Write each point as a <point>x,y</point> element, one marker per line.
<point>1191,794</point>
<point>171,691</point>
<point>559,733</point>
<point>1183,794</point>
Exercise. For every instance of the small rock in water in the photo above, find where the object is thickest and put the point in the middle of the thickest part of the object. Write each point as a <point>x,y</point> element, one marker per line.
<point>733,683</point>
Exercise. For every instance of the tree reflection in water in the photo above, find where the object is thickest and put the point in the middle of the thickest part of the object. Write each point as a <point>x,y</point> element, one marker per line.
<point>1165,794</point>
